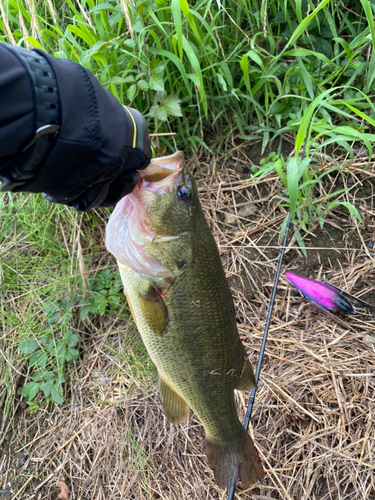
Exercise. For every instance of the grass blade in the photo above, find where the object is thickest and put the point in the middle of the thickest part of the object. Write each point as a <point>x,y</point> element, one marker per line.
<point>292,170</point>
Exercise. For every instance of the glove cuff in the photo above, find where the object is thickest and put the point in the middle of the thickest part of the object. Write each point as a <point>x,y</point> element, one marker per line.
<point>137,134</point>
<point>48,118</point>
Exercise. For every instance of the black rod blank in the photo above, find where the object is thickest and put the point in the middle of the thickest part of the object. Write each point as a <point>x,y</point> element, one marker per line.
<point>262,348</point>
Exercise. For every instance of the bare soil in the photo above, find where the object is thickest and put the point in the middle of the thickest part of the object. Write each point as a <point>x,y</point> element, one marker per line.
<point>314,418</point>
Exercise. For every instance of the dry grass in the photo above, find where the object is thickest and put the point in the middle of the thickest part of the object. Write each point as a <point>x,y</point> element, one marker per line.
<point>314,417</point>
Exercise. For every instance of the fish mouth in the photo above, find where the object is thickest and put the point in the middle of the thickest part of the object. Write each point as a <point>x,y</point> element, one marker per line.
<point>162,171</point>
<point>129,233</point>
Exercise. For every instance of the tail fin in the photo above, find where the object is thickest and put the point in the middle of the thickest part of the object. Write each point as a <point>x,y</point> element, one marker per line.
<point>240,458</point>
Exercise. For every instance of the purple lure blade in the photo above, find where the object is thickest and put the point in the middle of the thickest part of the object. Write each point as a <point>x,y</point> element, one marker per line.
<point>347,295</point>
<point>322,294</point>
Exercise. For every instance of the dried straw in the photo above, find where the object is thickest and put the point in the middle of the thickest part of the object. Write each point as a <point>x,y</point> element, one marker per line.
<point>314,417</point>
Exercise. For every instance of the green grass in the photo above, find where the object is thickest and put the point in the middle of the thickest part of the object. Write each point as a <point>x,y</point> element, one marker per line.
<point>36,272</point>
<point>44,304</point>
<point>237,70</point>
<point>210,71</point>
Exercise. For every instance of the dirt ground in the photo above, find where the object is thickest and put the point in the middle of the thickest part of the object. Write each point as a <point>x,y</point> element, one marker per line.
<point>314,418</point>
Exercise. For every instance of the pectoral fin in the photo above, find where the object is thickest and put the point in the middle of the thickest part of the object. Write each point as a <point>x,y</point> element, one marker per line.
<point>131,309</point>
<point>247,379</point>
<point>174,407</point>
<point>154,311</point>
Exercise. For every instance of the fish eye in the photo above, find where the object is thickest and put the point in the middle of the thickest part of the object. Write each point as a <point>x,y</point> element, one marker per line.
<point>183,192</point>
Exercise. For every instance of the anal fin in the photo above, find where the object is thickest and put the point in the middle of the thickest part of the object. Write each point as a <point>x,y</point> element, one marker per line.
<point>175,408</point>
<point>247,379</point>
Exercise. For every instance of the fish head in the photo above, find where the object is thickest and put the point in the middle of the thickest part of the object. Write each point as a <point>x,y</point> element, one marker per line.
<point>169,195</point>
<point>152,229</point>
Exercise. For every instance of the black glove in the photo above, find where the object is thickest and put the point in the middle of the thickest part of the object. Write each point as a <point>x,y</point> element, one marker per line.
<point>64,135</point>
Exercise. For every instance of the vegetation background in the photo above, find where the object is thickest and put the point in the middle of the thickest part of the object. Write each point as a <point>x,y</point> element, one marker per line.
<point>217,74</point>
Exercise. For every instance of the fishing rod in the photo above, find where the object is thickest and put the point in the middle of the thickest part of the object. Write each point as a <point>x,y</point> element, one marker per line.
<point>266,328</point>
<point>262,349</point>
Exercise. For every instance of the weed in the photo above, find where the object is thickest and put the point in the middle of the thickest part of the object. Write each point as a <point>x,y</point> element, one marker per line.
<point>299,178</point>
<point>244,70</point>
<point>104,293</point>
<point>40,356</point>
<point>47,357</point>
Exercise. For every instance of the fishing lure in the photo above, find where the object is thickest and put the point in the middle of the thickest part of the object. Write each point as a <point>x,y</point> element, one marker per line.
<point>326,297</point>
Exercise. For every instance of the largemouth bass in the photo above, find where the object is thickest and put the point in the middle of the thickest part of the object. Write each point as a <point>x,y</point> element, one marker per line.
<point>181,303</point>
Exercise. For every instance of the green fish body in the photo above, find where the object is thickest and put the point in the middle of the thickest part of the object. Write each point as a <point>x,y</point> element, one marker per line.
<point>180,300</point>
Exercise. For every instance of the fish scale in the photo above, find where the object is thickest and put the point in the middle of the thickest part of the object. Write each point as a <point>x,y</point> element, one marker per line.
<point>190,331</point>
<point>184,312</point>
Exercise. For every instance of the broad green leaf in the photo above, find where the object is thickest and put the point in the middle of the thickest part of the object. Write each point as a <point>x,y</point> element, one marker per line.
<point>33,42</point>
<point>352,209</point>
<point>130,93</point>
<point>265,141</point>
<point>197,32</point>
<point>90,39</point>
<point>129,43</point>
<point>171,104</point>
<point>158,112</point>
<point>29,346</point>
<point>38,358</point>
<point>345,46</point>
<point>278,166</point>
<point>299,10</point>
<point>56,396</point>
<point>85,310</point>
<point>244,65</point>
<point>71,354</point>
<point>53,318</point>
<point>45,387</point>
<point>71,338</point>
<point>40,375</point>
<point>30,390</point>
<point>371,73</point>
<point>143,85</point>
<point>370,19</point>
<point>304,163</point>
<point>27,388</point>
<point>156,82</point>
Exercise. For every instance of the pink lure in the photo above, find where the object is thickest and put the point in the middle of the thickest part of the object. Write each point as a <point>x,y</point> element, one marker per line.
<point>324,295</point>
